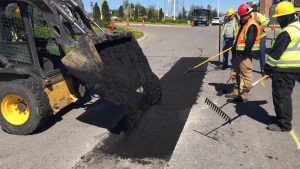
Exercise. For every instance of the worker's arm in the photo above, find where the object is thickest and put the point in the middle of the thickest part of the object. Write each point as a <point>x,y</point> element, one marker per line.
<point>263,20</point>
<point>251,36</point>
<point>281,43</point>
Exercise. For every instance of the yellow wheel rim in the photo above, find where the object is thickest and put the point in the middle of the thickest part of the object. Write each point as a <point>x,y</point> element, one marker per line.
<point>15,109</point>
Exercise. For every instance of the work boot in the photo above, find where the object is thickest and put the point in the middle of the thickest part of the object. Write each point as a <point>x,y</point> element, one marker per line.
<point>276,127</point>
<point>224,67</point>
<point>245,97</point>
<point>233,94</point>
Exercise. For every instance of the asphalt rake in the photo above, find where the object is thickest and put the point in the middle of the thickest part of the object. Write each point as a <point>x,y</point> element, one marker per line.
<point>219,110</point>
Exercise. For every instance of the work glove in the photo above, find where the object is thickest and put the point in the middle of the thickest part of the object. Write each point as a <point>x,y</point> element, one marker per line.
<point>268,70</point>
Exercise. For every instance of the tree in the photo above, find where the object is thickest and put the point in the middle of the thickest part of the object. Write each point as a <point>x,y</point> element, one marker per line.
<point>183,13</point>
<point>179,16</point>
<point>191,12</point>
<point>214,13</point>
<point>96,13</point>
<point>136,13</point>
<point>161,14</point>
<point>209,7</point>
<point>105,12</point>
<point>150,14</point>
<point>114,12</point>
<point>132,10</point>
<point>125,3</point>
<point>143,11</point>
<point>126,6</point>
<point>140,9</point>
<point>121,12</point>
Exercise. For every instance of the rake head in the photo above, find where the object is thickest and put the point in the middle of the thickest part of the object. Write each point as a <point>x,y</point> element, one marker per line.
<point>218,110</point>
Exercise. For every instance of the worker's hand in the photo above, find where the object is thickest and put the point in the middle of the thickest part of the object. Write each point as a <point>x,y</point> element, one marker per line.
<point>268,70</point>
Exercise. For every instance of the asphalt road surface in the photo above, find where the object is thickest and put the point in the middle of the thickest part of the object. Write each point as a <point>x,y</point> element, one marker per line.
<point>180,132</point>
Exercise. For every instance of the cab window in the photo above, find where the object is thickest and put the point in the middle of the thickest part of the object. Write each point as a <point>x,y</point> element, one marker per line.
<point>13,38</point>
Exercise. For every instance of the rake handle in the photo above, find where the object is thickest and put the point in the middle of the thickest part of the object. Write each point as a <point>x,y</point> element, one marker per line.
<point>209,59</point>
<point>258,81</point>
<point>253,85</point>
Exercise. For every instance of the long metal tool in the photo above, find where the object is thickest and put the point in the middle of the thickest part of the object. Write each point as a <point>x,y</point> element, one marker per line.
<point>219,110</point>
<point>209,59</point>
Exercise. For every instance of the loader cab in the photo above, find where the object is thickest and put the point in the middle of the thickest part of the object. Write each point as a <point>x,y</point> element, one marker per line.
<point>26,39</point>
<point>14,44</point>
<point>37,84</point>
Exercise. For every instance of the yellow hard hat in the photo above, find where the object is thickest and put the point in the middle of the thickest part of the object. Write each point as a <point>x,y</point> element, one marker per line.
<point>16,13</point>
<point>284,8</point>
<point>230,12</point>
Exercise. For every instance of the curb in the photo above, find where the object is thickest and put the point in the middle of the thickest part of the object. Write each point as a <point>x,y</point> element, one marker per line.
<point>143,38</point>
<point>158,25</point>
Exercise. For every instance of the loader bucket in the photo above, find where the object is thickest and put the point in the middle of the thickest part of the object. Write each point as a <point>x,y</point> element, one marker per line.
<point>114,66</point>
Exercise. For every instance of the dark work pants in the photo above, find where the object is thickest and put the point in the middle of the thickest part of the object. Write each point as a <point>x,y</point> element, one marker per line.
<point>228,42</point>
<point>282,89</point>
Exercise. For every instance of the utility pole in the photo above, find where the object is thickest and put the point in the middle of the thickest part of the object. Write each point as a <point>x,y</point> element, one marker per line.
<point>218,7</point>
<point>101,15</point>
<point>164,9</point>
<point>174,10</point>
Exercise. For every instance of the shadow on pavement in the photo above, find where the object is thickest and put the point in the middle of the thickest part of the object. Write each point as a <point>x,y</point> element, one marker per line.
<point>102,114</point>
<point>253,110</point>
<point>298,78</point>
<point>59,116</point>
<point>160,127</point>
<point>223,88</point>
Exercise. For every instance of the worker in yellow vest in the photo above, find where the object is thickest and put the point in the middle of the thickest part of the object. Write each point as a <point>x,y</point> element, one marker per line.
<point>246,46</point>
<point>283,64</point>
<point>16,28</point>
<point>229,33</point>
<point>263,23</point>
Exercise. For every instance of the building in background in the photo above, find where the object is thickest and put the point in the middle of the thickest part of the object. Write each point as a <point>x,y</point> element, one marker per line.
<point>267,7</point>
<point>263,6</point>
<point>273,5</point>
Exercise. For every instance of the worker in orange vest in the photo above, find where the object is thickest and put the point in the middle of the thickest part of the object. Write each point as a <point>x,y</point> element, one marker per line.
<point>246,46</point>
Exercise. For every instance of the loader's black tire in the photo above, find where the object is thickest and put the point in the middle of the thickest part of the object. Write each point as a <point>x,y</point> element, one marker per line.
<point>153,91</point>
<point>37,103</point>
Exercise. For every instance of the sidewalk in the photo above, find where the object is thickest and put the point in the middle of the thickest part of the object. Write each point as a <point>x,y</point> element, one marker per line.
<point>245,143</point>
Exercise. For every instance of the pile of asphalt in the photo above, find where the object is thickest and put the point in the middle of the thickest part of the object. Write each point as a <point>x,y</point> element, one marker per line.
<point>125,69</point>
<point>120,71</point>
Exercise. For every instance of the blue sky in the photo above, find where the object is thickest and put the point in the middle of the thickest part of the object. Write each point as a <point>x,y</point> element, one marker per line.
<point>224,4</point>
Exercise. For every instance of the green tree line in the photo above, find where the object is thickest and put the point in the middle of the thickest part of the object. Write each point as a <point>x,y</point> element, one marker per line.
<point>137,12</point>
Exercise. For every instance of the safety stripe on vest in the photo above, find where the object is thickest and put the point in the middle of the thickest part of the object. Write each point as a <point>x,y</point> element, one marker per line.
<point>241,48</point>
<point>295,47</point>
<point>288,62</point>
<point>272,62</point>
<point>294,26</point>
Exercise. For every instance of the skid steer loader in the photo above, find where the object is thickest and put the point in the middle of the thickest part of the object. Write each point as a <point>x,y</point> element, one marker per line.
<point>51,56</point>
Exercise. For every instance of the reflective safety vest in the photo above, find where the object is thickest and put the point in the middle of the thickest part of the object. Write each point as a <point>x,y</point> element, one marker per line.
<point>291,56</point>
<point>262,22</point>
<point>241,40</point>
<point>14,35</point>
<point>235,26</point>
